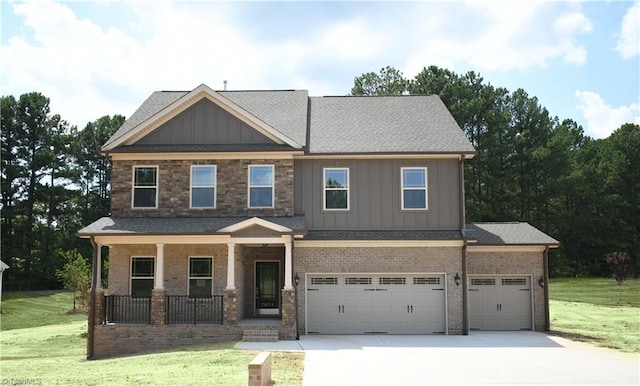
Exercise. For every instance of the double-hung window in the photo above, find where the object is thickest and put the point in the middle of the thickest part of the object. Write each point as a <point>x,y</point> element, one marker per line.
<point>414,188</point>
<point>336,188</point>
<point>200,277</point>
<point>145,187</point>
<point>261,186</point>
<point>142,276</point>
<point>203,186</point>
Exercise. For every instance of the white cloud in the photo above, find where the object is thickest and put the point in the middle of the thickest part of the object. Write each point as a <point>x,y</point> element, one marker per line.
<point>602,119</point>
<point>629,38</point>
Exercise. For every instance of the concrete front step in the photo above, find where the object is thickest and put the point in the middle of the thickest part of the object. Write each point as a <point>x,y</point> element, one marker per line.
<point>260,336</point>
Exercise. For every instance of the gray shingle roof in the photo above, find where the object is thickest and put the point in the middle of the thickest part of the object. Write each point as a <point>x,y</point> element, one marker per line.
<point>284,110</point>
<point>348,124</point>
<point>508,233</point>
<point>384,124</point>
<point>177,225</point>
<point>150,107</point>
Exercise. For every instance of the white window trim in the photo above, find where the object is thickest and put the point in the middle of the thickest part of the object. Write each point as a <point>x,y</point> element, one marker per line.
<point>189,277</point>
<point>426,185</point>
<point>214,186</point>
<point>324,190</point>
<point>273,187</point>
<point>133,186</point>
<point>131,277</point>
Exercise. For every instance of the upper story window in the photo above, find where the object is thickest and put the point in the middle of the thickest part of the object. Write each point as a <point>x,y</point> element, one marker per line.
<point>200,277</point>
<point>414,188</point>
<point>145,187</point>
<point>261,183</point>
<point>203,186</point>
<point>336,188</point>
<point>142,276</point>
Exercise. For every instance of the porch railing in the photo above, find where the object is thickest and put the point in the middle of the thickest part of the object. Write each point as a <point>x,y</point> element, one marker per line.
<point>125,309</point>
<point>182,309</point>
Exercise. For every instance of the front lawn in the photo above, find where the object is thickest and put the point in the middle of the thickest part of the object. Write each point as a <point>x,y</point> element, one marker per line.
<point>54,354</point>
<point>592,310</point>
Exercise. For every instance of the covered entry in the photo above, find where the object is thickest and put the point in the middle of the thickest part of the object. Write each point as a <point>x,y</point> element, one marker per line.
<point>500,303</point>
<point>376,303</point>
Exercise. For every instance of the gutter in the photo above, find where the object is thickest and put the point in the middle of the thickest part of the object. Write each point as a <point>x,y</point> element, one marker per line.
<point>547,322</point>
<point>465,300</point>
<point>92,300</point>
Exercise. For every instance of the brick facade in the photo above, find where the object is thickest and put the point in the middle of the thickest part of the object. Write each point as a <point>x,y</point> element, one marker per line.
<point>393,260</point>
<point>510,263</point>
<point>174,179</point>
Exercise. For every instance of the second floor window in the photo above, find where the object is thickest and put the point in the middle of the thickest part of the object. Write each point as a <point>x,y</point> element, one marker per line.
<point>261,182</point>
<point>414,188</point>
<point>142,276</point>
<point>145,186</point>
<point>203,186</point>
<point>336,188</point>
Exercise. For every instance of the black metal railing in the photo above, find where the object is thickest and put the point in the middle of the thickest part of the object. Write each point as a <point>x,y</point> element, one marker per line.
<point>182,309</point>
<point>125,309</point>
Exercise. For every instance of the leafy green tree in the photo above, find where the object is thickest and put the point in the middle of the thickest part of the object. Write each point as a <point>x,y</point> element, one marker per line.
<point>388,82</point>
<point>76,276</point>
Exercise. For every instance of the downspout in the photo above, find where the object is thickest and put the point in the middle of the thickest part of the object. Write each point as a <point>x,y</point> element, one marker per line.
<point>547,322</point>
<point>295,288</point>
<point>465,300</point>
<point>92,300</point>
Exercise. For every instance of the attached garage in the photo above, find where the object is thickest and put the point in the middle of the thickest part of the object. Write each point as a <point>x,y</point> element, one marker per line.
<point>376,303</point>
<point>500,303</point>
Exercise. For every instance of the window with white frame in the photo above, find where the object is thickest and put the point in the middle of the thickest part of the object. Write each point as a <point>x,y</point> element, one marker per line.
<point>142,276</point>
<point>200,277</point>
<point>336,188</point>
<point>261,186</point>
<point>145,187</point>
<point>414,188</point>
<point>203,186</point>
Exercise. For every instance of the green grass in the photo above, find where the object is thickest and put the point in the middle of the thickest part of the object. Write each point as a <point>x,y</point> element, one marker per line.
<point>37,308</point>
<point>54,354</point>
<point>593,311</point>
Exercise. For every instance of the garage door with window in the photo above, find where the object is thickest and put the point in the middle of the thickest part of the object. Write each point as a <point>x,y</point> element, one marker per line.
<point>376,304</point>
<point>500,303</point>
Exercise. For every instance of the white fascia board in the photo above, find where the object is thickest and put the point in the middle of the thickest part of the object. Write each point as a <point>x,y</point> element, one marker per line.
<point>378,243</point>
<point>255,221</point>
<point>506,248</point>
<point>188,100</point>
<point>204,155</point>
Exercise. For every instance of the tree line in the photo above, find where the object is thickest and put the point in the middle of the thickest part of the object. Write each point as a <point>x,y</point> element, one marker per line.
<point>531,166</point>
<point>54,182</point>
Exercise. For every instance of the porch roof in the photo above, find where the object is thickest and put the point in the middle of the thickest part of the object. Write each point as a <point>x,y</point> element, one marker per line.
<point>385,235</point>
<point>179,225</point>
<point>508,233</point>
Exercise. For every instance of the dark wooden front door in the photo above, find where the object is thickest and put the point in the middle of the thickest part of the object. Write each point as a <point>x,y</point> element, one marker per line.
<point>267,288</point>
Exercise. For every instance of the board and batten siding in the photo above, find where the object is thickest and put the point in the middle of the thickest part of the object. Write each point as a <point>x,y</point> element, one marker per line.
<point>204,123</point>
<point>375,195</point>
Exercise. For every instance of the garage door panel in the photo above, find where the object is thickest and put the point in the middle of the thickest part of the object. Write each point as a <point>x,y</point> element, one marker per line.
<point>500,303</point>
<point>382,303</point>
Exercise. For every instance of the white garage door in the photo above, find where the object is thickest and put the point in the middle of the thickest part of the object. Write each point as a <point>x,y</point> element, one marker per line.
<point>500,303</point>
<point>375,304</point>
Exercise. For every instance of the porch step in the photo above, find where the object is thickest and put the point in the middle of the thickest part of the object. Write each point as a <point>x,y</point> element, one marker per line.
<point>260,336</point>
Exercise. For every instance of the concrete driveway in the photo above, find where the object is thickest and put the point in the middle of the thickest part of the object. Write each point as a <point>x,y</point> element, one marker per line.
<point>481,358</point>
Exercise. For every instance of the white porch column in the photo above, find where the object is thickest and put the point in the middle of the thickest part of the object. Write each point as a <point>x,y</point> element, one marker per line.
<point>159,279</point>
<point>287,265</point>
<point>99,270</point>
<point>231,266</point>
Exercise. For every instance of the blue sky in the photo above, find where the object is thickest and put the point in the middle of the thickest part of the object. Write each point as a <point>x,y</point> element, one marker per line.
<point>581,59</point>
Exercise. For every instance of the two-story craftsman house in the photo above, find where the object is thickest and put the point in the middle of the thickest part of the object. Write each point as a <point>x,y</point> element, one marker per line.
<point>270,214</point>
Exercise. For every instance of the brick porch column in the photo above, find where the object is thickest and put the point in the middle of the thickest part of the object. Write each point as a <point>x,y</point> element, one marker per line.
<point>230,305</point>
<point>158,306</point>
<point>289,324</point>
<point>98,307</point>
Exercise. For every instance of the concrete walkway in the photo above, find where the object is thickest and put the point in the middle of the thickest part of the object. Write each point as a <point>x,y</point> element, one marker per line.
<point>481,358</point>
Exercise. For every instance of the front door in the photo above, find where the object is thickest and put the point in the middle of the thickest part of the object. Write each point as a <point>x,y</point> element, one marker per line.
<point>267,287</point>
